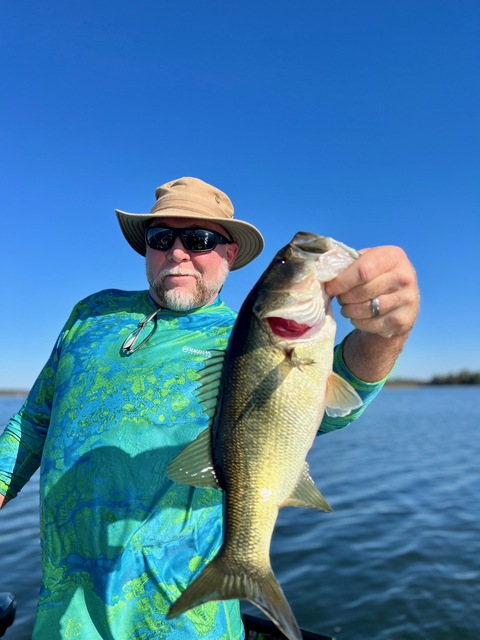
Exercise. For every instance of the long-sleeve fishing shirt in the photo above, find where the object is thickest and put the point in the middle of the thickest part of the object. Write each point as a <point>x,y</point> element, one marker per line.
<point>120,541</point>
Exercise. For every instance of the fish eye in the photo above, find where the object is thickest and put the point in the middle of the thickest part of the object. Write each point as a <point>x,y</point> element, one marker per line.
<point>280,261</point>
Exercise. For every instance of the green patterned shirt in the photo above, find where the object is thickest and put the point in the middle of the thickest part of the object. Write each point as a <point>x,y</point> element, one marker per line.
<point>120,541</point>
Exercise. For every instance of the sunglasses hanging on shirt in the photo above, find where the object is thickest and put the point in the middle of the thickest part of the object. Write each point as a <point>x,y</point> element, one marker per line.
<point>142,334</point>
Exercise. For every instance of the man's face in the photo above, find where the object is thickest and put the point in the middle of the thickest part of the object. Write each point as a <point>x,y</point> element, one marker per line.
<point>182,280</point>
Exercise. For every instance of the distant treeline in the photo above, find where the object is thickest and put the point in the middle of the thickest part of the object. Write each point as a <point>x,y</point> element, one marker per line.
<point>464,377</point>
<point>13,392</point>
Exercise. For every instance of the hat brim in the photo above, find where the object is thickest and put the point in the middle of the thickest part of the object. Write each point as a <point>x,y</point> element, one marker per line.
<point>249,239</point>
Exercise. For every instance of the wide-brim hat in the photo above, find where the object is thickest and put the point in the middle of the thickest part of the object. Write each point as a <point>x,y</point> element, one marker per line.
<point>193,198</point>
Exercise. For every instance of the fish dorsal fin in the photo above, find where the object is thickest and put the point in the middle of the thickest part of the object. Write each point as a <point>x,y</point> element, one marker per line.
<point>194,465</point>
<point>306,494</point>
<point>210,378</point>
<point>341,398</point>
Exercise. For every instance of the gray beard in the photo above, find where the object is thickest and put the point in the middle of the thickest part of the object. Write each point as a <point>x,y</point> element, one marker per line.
<point>178,300</point>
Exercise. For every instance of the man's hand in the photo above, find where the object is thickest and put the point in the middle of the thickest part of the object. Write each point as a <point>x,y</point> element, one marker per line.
<point>387,275</point>
<point>384,273</point>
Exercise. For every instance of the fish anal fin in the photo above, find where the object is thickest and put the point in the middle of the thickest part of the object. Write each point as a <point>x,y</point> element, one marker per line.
<point>194,465</point>
<point>340,398</point>
<point>221,580</point>
<point>306,494</point>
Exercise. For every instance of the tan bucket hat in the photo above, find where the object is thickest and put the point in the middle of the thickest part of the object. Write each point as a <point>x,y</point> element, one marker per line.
<point>193,198</point>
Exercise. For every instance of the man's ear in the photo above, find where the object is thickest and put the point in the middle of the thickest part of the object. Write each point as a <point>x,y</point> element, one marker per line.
<point>231,253</point>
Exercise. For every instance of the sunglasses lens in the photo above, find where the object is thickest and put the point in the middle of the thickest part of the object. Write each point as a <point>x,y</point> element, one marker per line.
<point>199,239</point>
<point>160,238</point>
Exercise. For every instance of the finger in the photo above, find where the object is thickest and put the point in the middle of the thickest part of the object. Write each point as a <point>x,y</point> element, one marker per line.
<point>396,314</point>
<point>364,293</point>
<point>363,271</point>
<point>365,310</point>
<point>394,323</point>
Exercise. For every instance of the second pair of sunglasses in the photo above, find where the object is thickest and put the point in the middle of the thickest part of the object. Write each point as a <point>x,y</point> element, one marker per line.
<point>198,240</point>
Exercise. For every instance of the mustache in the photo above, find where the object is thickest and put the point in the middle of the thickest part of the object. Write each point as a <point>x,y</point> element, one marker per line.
<point>164,273</point>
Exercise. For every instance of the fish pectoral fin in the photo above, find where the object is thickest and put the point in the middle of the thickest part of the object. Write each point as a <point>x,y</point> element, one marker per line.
<point>194,465</point>
<point>340,397</point>
<point>306,494</point>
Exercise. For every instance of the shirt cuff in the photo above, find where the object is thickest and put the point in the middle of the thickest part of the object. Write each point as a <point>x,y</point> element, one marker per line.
<point>366,390</point>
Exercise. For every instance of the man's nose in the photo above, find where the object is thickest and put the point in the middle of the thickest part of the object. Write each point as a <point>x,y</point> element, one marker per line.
<point>177,252</point>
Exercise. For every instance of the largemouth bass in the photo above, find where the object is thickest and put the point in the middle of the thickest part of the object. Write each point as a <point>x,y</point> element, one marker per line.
<point>275,384</point>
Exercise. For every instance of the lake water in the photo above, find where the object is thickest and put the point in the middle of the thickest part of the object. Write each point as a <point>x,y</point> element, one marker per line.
<point>398,559</point>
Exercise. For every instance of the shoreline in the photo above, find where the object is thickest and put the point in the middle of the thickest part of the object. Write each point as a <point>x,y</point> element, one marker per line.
<point>398,384</point>
<point>14,392</point>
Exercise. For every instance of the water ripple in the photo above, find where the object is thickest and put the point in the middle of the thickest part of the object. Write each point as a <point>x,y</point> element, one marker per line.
<point>398,559</point>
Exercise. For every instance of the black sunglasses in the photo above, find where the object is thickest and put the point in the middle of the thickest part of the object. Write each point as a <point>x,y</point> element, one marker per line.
<point>198,240</point>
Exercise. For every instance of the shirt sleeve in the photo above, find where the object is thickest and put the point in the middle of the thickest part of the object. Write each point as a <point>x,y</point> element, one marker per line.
<point>21,443</point>
<point>366,390</point>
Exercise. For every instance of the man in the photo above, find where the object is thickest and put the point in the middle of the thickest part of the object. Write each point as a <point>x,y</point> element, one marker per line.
<point>115,404</point>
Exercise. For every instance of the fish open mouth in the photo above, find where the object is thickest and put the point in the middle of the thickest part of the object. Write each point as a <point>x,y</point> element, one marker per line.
<point>287,328</point>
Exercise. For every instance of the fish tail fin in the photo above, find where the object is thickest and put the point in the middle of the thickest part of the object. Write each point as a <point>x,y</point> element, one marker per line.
<point>221,581</point>
<point>268,596</point>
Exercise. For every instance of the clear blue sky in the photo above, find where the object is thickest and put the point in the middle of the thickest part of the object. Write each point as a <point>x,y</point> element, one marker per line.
<point>358,120</point>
